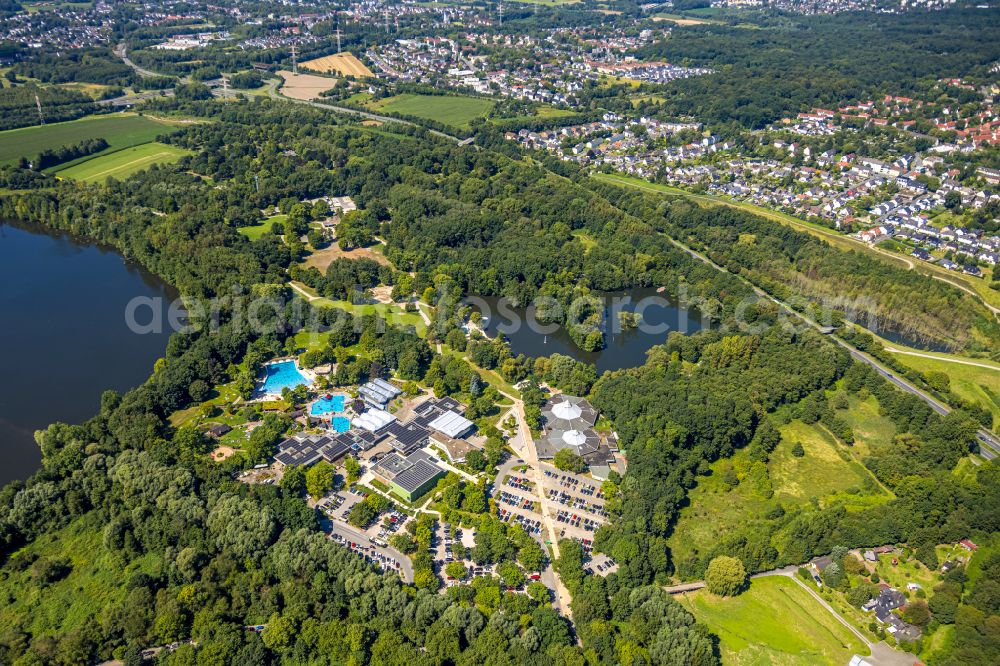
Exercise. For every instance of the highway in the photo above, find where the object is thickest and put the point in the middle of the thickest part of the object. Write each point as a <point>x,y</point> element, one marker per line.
<point>989,444</point>
<point>272,92</point>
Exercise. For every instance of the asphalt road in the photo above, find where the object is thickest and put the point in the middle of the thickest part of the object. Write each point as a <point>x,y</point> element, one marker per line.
<point>272,92</point>
<point>357,536</point>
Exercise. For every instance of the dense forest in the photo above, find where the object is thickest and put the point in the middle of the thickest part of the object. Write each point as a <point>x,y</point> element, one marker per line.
<point>193,555</point>
<point>94,65</point>
<point>805,61</point>
<point>816,277</point>
<point>19,107</point>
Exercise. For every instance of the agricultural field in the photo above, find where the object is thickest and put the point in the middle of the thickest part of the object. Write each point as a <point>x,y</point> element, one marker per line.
<point>775,621</point>
<point>304,86</point>
<point>120,131</point>
<point>123,163</point>
<point>455,110</point>
<point>345,64</point>
<point>680,19</point>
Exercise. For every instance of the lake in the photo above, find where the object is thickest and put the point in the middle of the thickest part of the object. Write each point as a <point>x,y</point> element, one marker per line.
<point>64,337</point>
<point>624,348</point>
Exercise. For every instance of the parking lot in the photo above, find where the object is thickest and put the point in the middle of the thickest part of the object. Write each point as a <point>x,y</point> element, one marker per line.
<point>576,504</point>
<point>371,543</point>
<point>601,565</point>
<point>359,543</point>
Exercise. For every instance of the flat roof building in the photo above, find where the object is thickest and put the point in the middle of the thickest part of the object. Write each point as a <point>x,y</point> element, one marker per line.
<point>378,392</point>
<point>305,451</point>
<point>451,424</point>
<point>410,476</point>
<point>373,420</point>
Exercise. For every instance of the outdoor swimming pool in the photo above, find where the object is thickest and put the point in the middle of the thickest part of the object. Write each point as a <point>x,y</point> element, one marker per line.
<point>340,423</point>
<point>280,375</point>
<point>327,404</point>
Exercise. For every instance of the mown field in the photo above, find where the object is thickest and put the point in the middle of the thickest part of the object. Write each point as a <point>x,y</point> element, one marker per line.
<point>455,110</point>
<point>120,131</point>
<point>123,163</point>
<point>774,622</point>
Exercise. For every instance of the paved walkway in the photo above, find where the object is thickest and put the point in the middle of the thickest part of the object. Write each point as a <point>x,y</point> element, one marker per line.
<point>960,361</point>
<point>530,456</point>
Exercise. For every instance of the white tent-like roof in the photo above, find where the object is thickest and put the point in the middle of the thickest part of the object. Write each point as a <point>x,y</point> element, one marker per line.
<point>451,424</point>
<point>567,410</point>
<point>373,420</point>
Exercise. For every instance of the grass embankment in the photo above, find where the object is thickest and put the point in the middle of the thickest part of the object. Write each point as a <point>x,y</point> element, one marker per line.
<point>120,131</point>
<point>774,622</point>
<point>973,379</point>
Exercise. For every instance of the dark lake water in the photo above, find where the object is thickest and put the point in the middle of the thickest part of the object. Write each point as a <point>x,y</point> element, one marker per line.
<point>624,348</point>
<point>64,337</point>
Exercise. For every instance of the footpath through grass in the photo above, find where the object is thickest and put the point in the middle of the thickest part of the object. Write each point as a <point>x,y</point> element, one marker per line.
<point>123,163</point>
<point>774,622</point>
<point>120,131</point>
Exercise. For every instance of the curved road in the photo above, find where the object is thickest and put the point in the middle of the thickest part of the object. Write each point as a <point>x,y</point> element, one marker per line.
<point>120,51</point>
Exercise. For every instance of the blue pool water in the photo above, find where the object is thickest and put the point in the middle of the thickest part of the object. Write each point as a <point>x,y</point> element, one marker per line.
<point>340,423</point>
<point>280,375</point>
<point>324,405</point>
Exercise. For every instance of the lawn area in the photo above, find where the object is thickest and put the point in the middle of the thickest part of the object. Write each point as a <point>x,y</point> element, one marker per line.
<point>258,230</point>
<point>774,622</point>
<point>120,131</point>
<point>392,313</point>
<point>903,572</point>
<point>95,582</point>
<point>123,163</point>
<point>455,110</point>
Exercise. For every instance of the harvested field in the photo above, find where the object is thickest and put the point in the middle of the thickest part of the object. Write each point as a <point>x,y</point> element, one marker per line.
<point>341,63</point>
<point>304,86</point>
